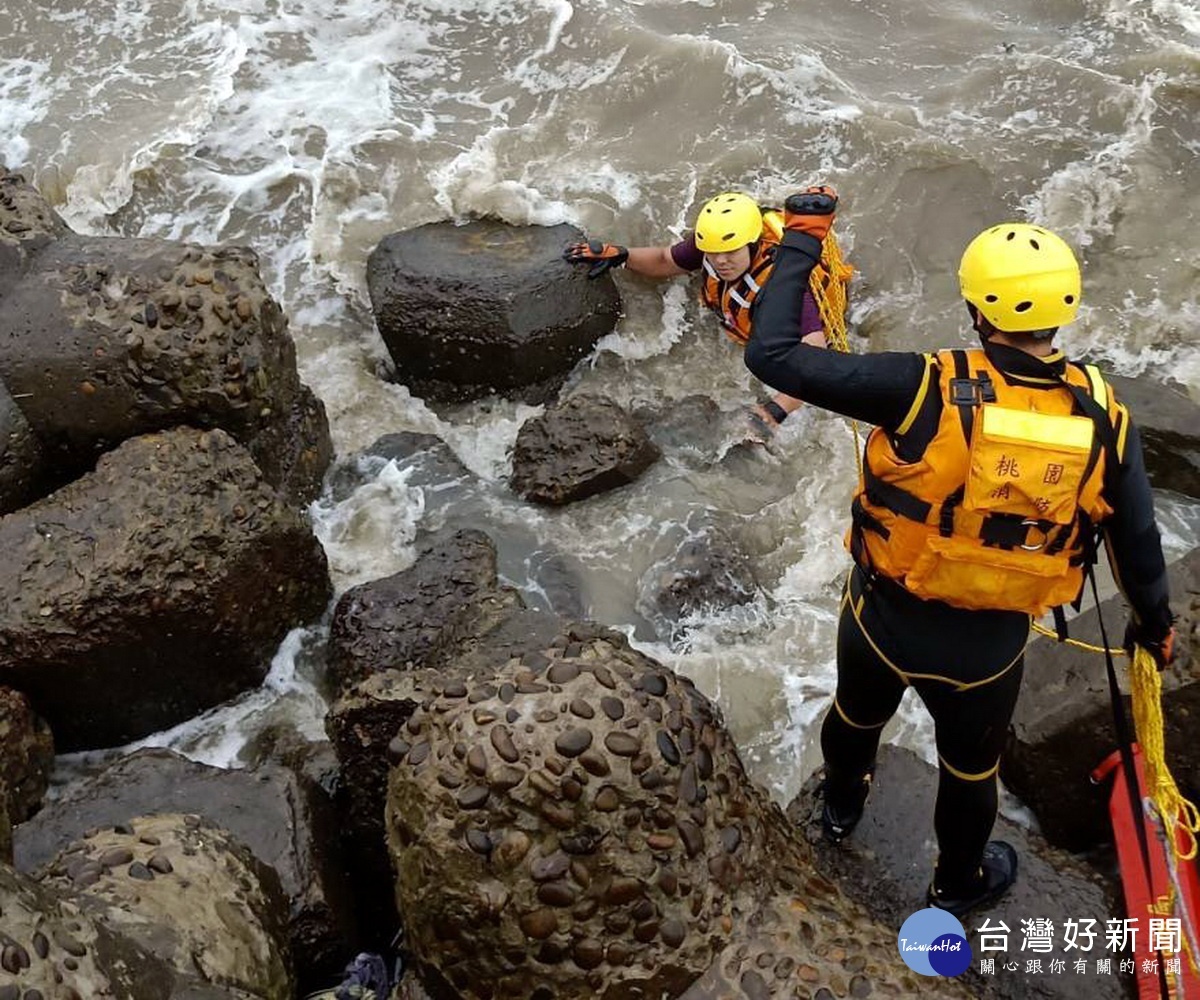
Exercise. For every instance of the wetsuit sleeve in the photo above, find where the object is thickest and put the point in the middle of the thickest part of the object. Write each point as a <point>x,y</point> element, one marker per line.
<point>1134,547</point>
<point>686,254</point>
<point>875,388</point>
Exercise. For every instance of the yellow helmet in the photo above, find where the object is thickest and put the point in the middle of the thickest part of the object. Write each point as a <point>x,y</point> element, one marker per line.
<point>728,222</point>
<point>1021,277</point>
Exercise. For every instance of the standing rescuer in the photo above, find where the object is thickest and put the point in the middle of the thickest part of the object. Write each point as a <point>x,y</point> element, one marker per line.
<point>733,246</point>
<point>985,481</point>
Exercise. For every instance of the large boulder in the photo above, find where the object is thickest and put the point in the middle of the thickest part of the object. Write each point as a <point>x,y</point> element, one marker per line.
<point>1063,726</point>
<point>106,338</point>
<point>468,311</point>
<point>578,824</point>
<point>152,588</point>
<point>577,449</point>
<point>54,950</point>
<point>188,892</point>
<point>1169,424</point>
<point>26,755</point>
<point>285,820</point>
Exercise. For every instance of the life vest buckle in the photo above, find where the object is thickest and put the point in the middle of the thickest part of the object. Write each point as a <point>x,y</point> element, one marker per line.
<point>1031,523</point>
<point>972,391</point>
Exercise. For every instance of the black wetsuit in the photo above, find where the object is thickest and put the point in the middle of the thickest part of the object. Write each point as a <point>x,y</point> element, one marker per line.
<point>965,665</point>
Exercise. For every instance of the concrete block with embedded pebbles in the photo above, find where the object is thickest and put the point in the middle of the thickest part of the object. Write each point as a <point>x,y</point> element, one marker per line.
<point>581,447</point>
<point>486,308</point>
<point>579,824</point>
<point>152,588</point>
<point>107,338</point>
<point>26,755</point>
<point>51,949</point>
<point>188,892</point>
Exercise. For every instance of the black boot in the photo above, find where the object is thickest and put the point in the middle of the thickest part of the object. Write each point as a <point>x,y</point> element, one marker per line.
<point>997,873</point>
<point>844,803</point>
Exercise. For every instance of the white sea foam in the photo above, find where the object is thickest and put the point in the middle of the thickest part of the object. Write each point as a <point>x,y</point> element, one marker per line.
<point>369,535</point>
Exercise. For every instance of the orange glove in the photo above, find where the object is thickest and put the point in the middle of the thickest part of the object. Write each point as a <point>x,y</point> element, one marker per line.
<point>600,256</point>
<point>811,211</point>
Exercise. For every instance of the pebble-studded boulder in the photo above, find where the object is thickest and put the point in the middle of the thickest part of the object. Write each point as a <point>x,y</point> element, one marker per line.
<point>152,588</point>
<point>107,338</point>
<point>581,447</point>
<point>1063,728</point>
<point>23,469</point>
<point>487,307</point>
<point>580,825</point>
<point>186,891</point>
<point>281,817</point>
<point>26,755</point>
<point>51,950</point>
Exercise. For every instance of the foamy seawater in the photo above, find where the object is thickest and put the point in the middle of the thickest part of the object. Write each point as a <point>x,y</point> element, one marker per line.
<point>310,131</point>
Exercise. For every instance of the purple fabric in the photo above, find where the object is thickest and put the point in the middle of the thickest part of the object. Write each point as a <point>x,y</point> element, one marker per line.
<point>688,256</point>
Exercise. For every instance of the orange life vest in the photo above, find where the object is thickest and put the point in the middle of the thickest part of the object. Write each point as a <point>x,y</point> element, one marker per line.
<point>731,300</point>
<point>996,513</point>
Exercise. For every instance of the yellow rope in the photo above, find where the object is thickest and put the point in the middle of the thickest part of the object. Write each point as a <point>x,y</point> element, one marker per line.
<point>828,284</point>
<point>1078,643</point>
<point>1176,812</point>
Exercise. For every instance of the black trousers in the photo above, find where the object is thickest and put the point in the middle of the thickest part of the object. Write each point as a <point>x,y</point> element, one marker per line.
<point>966,666</point>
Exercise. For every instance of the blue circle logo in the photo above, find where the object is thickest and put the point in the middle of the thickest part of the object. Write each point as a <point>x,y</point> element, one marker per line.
<point>932,942</point>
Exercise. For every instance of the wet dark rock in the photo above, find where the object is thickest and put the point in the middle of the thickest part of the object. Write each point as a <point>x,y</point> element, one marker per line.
<point>24,471</point>
<point>468,311</point>
<point>700,569</point>
<point>394,622</point>
<point>691,427</point>
<point>887,863</point>
<point>428,460</point>
<point>1169,424</point>
<point>362,725</point>
<point>284,819</point>
<point>1063,728</point>
<point>110,338</point>
<point>582,447</point>
<point>609,888</point>
<point>215,911</point>
<point>69,954</point>
<point>152,588</point>
<point>26,755</point>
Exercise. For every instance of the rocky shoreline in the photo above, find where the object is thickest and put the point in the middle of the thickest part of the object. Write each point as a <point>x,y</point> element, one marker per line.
<point>543,810</point>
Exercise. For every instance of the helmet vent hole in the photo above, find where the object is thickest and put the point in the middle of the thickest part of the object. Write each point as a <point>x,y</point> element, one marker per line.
<point>1069,299</point>
<point>993,298</point>
<point>727,237</point>
<point>1034,244</point>
<point>1011,236</point>
<point>1022,306</point>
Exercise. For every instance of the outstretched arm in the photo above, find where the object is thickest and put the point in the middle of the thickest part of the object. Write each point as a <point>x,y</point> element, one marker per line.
<point>652,262</point>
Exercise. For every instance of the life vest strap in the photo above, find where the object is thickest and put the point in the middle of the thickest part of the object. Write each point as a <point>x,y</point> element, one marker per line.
<point>895,498</point>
